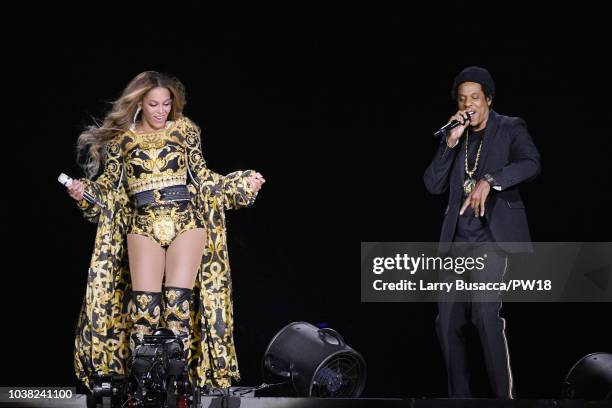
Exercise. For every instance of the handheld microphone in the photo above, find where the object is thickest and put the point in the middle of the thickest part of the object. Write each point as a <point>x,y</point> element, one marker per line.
<point>67,181</point>
<point>451,125</point>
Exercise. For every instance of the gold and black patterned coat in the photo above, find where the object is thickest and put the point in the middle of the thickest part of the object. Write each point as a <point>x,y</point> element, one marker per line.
<point>104,325</point>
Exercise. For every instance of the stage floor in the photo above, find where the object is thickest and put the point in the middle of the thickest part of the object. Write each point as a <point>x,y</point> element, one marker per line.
<point>80,400</point>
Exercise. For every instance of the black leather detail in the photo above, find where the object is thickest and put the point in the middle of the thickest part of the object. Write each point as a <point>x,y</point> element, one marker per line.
<point>173,193</point>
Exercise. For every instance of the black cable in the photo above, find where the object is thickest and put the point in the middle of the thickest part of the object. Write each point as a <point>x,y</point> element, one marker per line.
<point>246,390</point>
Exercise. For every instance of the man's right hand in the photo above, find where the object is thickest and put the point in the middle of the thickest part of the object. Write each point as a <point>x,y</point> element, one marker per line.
<point>455,134</point>
<point>76,190</point>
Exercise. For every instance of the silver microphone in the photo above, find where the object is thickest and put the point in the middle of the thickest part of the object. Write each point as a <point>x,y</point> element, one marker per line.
<point>67,181</point>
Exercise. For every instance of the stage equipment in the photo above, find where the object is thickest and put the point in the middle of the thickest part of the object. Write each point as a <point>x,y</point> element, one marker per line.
<point>590,378</point>
<point>318,362</point>
<point>158,377</point>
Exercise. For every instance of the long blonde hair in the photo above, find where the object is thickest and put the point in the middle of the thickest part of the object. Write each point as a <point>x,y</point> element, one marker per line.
<point>91,145</point>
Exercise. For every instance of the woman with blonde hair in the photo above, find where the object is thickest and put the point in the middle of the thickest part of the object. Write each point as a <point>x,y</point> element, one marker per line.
<point>160,254</point>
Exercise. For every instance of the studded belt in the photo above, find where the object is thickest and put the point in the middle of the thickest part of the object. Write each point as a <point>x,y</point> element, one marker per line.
<point>161,196</point>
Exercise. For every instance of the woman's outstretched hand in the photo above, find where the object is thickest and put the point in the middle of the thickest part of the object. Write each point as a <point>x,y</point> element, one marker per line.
<point>76,190</point>
<point>256,182</point>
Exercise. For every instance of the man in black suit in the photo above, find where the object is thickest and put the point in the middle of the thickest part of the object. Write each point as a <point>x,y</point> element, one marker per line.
<point>481,163</point>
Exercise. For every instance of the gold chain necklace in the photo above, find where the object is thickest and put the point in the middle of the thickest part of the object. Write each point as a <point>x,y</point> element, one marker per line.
<point>469,184</point>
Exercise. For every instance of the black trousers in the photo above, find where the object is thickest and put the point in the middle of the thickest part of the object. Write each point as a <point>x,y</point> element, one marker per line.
<point>458,309</point>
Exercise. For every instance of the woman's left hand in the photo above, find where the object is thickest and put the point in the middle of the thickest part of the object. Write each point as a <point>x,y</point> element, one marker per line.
<point>256,182</point>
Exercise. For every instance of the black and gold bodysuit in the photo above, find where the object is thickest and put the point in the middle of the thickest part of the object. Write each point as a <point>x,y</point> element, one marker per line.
<point>155,168</point>
<point>163,162</point>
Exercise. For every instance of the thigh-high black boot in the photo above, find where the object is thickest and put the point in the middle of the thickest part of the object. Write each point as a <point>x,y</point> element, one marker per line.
<point>145,314</point>
<point>177,305</point>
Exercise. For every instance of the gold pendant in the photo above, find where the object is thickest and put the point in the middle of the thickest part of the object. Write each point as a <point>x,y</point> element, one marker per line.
<point>468,186</point>
<point>163,228</point>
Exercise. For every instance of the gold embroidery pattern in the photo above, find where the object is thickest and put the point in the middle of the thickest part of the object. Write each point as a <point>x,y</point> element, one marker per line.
<point>144,300</point>
<point>177,327</point>
<point>164,222</point>
<point>177,314</point>
<point>154,160</point>
<point>181,311</point>
<point>145,315</point>
<point>172,295</point>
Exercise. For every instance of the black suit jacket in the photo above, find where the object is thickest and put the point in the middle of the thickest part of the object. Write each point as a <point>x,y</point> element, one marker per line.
<point>510,156</point>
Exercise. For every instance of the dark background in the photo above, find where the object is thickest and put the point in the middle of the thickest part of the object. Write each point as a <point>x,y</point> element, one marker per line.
<point>336,110</point>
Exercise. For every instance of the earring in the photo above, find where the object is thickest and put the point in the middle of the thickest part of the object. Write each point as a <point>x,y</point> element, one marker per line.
<point>136,115</point>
